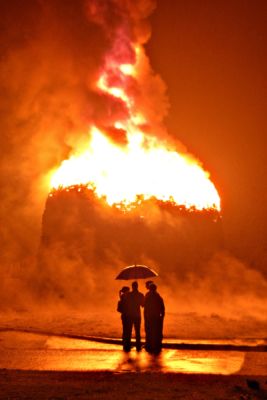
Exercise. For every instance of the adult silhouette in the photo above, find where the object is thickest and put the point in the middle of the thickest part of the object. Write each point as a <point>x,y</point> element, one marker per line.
<point>154,312</point>
<point>148,283</point>
<point>123,309</point>
<point>133,303</point>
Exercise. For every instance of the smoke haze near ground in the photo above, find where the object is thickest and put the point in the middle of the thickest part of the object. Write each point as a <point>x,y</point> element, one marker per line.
<point>51,53</point>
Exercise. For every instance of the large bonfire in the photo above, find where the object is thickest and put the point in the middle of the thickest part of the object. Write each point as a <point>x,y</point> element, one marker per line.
<point>130,193</point>
<point>134,162</point>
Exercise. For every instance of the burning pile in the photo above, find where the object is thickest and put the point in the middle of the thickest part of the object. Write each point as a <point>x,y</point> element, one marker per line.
<point>80,228</point>
<point>133,162</point>
<point>130,194</point>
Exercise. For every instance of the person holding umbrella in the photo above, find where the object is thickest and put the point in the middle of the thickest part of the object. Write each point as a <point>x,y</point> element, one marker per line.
<point>133,302</point>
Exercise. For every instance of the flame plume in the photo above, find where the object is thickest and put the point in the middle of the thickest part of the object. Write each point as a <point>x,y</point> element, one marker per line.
<point>125,160</point>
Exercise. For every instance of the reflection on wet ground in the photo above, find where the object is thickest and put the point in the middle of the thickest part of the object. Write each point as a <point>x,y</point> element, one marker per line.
<point>28,351</point>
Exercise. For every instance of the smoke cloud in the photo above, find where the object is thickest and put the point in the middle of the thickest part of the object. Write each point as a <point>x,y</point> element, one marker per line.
<point>51,55</point>
<point>196,274</point>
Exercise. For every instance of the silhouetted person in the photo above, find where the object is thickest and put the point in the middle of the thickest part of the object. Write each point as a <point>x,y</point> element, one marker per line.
<point>148,283</point>
<point>133,303</point>
<point>154,311</point>
<point>122,308</point>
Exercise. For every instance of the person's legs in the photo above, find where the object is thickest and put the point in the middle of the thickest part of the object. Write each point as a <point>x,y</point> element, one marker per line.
<point>127,333</point>
<point>148,334</point>
<point>158,335</point>
<point>154,336</point>
<point>124,330</point>
<point>137,326</point>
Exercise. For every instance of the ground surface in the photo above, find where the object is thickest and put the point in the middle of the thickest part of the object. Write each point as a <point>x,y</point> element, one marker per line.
<point>68,385</point>
<point>108,385</point>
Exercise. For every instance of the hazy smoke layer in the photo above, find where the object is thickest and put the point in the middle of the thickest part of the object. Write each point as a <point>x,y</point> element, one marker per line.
<point>48,52</point>
<point>51,54</point>
<point>80,258</point>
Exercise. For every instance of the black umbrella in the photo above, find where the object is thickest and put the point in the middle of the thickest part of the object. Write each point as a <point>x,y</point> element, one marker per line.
<point>136,272</point>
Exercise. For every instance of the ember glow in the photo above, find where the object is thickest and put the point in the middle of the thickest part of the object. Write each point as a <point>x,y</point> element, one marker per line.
<point>143,165</point>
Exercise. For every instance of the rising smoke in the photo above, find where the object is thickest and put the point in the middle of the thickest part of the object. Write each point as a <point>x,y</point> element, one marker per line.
<point>51,53</point>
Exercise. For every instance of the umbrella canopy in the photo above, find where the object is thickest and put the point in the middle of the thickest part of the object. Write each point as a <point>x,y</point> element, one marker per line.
<point>136,272</point>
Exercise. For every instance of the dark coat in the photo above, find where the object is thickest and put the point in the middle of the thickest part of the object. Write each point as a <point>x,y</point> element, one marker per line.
<point>133,304</point>
<point>153,306</point>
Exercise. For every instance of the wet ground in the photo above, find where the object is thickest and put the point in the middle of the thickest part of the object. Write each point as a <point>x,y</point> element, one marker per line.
<point>30,351</point>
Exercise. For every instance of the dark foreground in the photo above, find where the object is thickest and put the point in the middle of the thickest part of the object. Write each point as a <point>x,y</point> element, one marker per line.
<point>40,385</point>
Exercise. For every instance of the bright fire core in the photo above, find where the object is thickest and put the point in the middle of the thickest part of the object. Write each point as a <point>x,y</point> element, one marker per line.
<point>143,165</point>
<point>121,174</point>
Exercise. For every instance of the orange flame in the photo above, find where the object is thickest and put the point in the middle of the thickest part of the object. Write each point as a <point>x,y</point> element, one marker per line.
<point>143,166</point>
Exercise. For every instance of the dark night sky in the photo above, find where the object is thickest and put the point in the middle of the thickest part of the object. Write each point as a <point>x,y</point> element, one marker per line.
<point>212,56</point>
